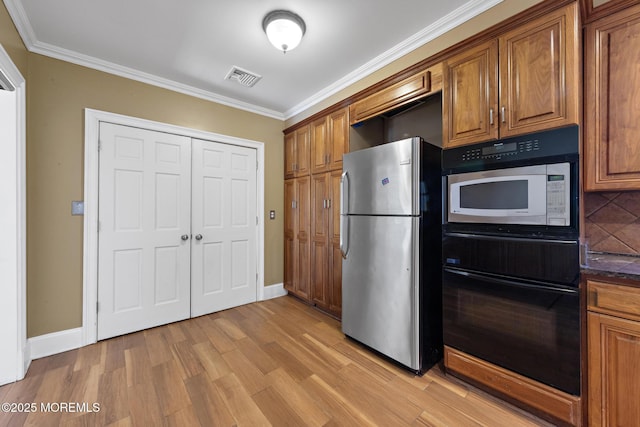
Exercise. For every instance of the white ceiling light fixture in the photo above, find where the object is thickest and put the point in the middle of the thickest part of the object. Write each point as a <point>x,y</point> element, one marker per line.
<point>284,29</point>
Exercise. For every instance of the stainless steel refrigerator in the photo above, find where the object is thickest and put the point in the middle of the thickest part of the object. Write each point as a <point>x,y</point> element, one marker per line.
<point>390,223</point>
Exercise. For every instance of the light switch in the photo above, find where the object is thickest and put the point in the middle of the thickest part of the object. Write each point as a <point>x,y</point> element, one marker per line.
<point>77,207</point>
<point>272,214</point>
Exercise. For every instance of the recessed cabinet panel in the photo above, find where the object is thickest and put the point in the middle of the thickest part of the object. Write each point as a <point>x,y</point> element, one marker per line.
<point>471,96</point>
<point>391,97</point>
<point>612,111</point>
<point>539,74</point>
<point>296,152</point>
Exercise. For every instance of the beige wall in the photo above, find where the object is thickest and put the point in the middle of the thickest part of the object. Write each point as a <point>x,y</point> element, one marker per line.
<point>481,22</point>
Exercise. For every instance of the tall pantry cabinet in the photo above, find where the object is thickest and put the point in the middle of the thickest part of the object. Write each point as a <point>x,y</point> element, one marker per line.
<point>313,262</point>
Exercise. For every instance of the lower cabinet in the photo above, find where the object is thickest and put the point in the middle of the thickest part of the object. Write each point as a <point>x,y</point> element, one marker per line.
<point>297,242</point>
<point>613,323</point>
<point>326,258</point>
<point>541,399</point>
<point>312,257</point>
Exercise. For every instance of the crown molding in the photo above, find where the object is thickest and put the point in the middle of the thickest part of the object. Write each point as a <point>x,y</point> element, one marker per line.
<point>448,22</point>
<point>133,74</point>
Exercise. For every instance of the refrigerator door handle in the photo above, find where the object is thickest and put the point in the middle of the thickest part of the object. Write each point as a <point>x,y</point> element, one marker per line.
<point>344,193</point>
<point>344,235</point>
<point>344,219</point>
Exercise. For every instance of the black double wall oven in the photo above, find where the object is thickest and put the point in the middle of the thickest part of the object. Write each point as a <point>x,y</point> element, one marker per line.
<point>511,255</point>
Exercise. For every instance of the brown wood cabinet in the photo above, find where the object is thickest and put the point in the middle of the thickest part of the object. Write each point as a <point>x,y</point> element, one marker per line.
<point>613,323</point>
<point>296,152</point>
<point>525,81</point>
<point>313,263</point>
<point>326,258</point>
<point>329,140</point>
<point>596,9</point>
<point>541,399</point>
<point>297,235</point>
<point>394,96</point>
<point>612,110</point>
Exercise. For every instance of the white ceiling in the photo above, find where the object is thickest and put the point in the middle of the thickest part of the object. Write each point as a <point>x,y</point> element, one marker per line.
<point>190,45</point>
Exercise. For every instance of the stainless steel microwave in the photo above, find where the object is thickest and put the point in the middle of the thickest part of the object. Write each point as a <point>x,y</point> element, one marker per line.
<point>529,195</point>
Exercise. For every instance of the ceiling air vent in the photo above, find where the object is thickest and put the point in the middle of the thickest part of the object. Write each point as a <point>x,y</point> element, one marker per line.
<point>242,76</point>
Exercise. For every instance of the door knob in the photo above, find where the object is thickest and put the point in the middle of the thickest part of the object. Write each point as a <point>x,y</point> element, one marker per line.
<point>198,236</point>
<point>185,237</point>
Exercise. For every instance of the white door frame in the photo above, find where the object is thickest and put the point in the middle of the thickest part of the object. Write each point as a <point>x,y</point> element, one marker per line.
<point>14,352</point>
<point>91,161</point>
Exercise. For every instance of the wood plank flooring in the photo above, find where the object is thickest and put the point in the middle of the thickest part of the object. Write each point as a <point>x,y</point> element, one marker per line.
<point>277,362</point>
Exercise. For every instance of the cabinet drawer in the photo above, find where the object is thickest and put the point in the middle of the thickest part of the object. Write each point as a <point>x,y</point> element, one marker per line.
<point>617,300</point>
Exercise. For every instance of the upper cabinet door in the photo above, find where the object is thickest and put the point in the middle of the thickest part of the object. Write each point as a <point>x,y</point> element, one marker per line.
<point>525,81</point>
<point>539,74</point>
<point>302,151</point>
<point>329,141</point>
<point>319,144</point>
<point>339,135</point>
<point>296,153</point>
<point>470,96</point>
<point>290,155</point>
<point>612,109</point>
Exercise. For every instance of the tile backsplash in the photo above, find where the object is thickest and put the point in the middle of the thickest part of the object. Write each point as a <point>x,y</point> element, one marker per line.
<point>612,222</point>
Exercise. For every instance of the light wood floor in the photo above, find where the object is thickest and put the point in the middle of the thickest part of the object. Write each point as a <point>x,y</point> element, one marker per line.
<point>277,362</point>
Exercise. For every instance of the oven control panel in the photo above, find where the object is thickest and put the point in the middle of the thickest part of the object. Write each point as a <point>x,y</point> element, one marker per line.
<point>490,155</point>
<point>499,150</point>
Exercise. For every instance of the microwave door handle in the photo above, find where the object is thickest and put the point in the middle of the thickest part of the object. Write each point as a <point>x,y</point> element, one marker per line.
<point>344,219</point>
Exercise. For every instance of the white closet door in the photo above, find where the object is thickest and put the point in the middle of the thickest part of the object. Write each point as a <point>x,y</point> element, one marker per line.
<point>224,251</point>
<point>144,215</point>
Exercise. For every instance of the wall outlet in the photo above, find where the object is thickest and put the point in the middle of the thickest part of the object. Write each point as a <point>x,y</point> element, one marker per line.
<point>272,214</point>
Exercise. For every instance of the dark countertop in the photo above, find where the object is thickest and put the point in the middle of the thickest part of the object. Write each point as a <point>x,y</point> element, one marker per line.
<point>612,265</point>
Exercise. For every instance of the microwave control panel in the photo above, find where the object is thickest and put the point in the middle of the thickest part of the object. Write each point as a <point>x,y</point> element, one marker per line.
<point>561,142</point>
<point>499,150</point>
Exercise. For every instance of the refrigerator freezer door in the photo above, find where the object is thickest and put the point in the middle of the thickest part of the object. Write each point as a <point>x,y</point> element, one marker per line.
<point>383,180</point>
<point>380,300</point>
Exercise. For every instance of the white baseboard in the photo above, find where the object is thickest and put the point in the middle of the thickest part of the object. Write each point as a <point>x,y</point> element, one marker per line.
<point>54,343</point>
<point>274,291</point>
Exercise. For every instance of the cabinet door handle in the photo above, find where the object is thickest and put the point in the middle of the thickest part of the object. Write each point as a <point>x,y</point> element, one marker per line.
<point>324,203</point>
<point>504,115</point>
<point>491,116</point>
<point>328,203</point>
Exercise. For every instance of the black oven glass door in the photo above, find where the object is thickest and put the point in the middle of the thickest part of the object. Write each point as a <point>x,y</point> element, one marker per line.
<point>528,328</point>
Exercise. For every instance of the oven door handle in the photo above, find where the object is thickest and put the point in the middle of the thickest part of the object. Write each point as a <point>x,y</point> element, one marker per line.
<point>512,283</point>
<point>510,239</point>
